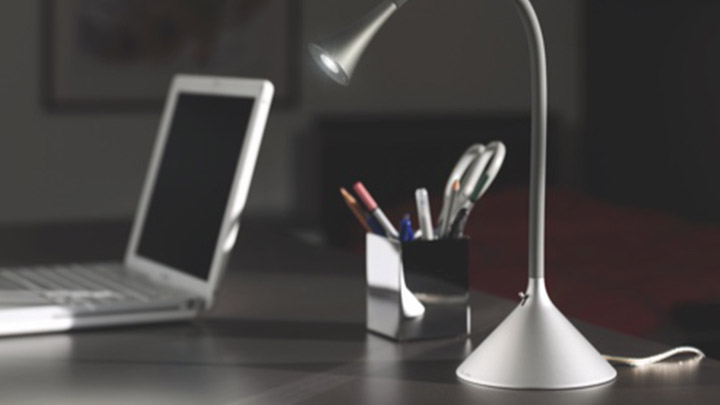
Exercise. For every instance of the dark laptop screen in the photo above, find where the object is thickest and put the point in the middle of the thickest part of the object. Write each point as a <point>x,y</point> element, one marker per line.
<point>194,181</point>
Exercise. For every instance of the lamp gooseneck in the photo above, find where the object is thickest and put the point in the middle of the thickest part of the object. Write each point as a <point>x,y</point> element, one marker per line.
<point>538,164</point>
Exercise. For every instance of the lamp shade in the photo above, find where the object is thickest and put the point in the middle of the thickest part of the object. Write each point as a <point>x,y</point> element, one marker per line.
<point>339,54</point>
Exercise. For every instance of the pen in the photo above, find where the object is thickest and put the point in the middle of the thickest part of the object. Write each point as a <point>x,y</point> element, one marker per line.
<point>444,232</point>
<point>355,208</point>
<point>375,210</point>
<point>424,215</point>
<point>407,234</point>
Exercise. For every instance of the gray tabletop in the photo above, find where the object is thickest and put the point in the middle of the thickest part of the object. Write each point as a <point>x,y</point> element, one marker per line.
<point>287,328</point>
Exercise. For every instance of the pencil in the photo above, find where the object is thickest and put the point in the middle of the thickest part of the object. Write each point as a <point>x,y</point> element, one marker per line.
<point>355,208</point>
<point>453,198</point>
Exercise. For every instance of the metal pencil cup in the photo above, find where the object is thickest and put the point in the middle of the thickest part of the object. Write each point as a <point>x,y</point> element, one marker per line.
<point>417,290</point>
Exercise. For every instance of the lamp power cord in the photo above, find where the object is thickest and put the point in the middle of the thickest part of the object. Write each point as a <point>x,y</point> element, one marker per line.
<point>696,354</point>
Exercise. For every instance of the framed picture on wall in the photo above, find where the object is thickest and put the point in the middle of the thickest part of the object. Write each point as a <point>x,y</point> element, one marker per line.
<point>114,55</point>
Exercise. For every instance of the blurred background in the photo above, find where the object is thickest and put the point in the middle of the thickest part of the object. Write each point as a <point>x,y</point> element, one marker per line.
<point>633,204</point>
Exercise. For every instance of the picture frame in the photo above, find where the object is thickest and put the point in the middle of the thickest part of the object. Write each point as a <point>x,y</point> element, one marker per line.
<point>120,55</point>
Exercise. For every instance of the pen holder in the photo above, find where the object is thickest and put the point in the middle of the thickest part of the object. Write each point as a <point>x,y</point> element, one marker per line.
<point>417,290</point>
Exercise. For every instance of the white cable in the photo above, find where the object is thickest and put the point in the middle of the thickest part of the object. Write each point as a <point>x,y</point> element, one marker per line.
<point>646,361</point>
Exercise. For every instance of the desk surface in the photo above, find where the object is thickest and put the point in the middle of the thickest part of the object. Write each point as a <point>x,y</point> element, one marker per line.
<point>288,328</point>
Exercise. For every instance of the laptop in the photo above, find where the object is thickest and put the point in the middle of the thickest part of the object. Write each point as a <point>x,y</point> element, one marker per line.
<point>185,225</point>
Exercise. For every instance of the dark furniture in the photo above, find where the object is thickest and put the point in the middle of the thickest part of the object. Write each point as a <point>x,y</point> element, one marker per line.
<point>288,328</point>
<point>639,271</point>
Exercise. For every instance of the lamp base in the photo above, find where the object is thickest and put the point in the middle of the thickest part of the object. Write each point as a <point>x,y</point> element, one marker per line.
<point>536,347</point>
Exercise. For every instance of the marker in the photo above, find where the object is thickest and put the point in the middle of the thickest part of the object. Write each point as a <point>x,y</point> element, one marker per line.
<point>355,208</point>
<point>375,225</point>
<point>375,210</point>
<point>424,216</point>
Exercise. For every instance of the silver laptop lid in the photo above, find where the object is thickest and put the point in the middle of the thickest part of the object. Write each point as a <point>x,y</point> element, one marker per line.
<point>198,180</point>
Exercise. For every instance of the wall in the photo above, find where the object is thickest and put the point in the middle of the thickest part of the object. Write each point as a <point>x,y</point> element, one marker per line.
<point>440,56</point>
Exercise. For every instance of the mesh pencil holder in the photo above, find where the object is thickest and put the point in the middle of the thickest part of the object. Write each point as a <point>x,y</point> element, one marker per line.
<point>417,290</point>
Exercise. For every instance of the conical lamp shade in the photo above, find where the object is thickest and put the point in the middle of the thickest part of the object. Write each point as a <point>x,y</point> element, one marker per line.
<point>536,347</point>
<point>339,54</point>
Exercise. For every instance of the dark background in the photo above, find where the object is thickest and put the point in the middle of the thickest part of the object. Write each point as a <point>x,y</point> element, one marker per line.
<point>635,131</point>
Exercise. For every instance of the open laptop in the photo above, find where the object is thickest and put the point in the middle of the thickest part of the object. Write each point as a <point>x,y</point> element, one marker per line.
<point>185,226</point>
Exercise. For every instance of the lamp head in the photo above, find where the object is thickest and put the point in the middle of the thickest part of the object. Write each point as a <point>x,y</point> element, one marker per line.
<point>339,54</point>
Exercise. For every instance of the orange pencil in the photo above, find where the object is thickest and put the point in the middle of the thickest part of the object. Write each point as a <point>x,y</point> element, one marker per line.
<point>355,208</point>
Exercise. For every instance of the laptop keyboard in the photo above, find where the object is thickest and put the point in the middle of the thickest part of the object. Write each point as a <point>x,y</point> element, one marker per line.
<point>81,286</point>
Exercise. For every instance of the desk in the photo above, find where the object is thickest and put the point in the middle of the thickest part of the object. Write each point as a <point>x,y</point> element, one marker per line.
<point>288,328</point>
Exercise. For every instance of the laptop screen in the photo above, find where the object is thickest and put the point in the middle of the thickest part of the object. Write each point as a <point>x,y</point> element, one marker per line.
<point>194,181</point>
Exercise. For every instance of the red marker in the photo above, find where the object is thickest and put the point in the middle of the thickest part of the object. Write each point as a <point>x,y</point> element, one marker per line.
<point>375,210</point>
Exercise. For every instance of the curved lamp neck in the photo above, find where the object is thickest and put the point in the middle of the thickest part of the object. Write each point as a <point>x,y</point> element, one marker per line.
<point>538,152</point>
<point>539,112</point>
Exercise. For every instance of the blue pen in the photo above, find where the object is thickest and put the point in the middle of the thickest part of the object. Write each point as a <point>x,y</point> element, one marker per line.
<point>407,234</point>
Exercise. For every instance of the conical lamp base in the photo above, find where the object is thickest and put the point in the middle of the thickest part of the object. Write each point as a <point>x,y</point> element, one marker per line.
<point>536,347</point>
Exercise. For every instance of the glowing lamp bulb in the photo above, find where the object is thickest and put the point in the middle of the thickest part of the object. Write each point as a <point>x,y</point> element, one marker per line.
<point>330,63</point>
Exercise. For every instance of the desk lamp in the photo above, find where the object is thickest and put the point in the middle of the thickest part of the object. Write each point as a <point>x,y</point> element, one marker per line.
<point>535,347</point>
